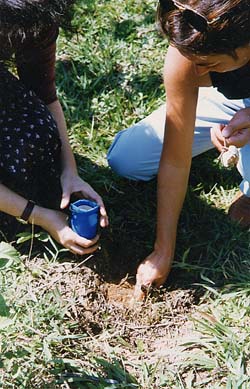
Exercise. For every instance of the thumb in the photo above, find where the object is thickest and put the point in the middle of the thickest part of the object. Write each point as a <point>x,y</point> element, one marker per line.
<point>65,199</point>
<point>228,131</point>
<point>143,283</point>
<point>238,122</point>
<point>143,275</point>
<point>139,292</point>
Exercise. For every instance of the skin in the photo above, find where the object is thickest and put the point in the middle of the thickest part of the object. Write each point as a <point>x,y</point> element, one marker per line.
<point>55,222</point>
<point>183,75</point>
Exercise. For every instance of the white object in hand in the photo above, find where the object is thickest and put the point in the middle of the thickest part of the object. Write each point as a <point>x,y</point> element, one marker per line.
<point>229,156</point>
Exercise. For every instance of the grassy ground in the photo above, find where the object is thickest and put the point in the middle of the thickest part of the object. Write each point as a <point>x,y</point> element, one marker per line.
<point>65,321</point>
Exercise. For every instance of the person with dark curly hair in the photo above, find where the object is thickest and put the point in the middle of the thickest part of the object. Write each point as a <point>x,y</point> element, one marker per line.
<point>209,46</point>
<point>38,172</point>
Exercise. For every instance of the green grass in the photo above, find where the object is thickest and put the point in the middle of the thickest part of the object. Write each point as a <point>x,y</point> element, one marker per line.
<point>58,328</point>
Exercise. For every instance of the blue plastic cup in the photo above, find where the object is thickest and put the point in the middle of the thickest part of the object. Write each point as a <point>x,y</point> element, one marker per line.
<point>84,218</point>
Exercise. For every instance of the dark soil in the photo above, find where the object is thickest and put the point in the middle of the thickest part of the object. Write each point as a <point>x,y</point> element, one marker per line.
<point>161,321</point>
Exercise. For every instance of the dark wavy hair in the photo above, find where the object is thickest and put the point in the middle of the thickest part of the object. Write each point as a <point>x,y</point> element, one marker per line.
<point>25,18</point>
<point>229,29</point>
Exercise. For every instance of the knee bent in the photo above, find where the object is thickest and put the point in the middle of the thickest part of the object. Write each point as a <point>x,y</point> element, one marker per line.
<point>121,165</point>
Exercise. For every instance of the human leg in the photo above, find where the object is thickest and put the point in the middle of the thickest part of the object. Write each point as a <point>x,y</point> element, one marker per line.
<point>239,210</point>
<point>244,162</point>
<point>135,152</point>
<point>220,110</point>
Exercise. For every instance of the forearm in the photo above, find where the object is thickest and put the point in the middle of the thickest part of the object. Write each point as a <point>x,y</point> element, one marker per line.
<point>172,183</point>
<point>172,186</point>
<point>68,160</point>
<point>14,204</point>
<point>182,93</point>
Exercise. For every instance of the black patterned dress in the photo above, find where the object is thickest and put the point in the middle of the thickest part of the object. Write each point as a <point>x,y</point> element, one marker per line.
<point>30,147</point>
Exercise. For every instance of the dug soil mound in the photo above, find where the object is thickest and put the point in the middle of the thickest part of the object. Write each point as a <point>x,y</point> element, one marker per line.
<point>161,323</point>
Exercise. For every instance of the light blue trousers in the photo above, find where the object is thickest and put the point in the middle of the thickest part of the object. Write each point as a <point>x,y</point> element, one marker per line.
<point>135,152</point>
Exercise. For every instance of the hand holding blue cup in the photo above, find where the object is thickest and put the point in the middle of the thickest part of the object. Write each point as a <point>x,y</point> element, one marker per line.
<point>84,218</point>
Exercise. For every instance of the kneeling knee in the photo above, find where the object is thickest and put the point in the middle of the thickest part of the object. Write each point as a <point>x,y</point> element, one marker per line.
<point>121,165</point>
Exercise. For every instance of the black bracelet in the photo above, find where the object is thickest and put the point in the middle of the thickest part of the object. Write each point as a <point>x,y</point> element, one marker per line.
<point>27,210</point>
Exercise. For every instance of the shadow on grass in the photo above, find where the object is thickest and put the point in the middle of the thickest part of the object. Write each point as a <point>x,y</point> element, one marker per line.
<point>127,29</point>
<point>102,80</point>
<point>108,374</point>
<point>209,245</point>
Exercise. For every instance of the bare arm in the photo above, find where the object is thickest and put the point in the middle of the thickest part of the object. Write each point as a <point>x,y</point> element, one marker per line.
<point>68,160</point>
<point>70,181</point>
<point>182,91</point>
<point>36,68</point>
<point>55,222</point>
